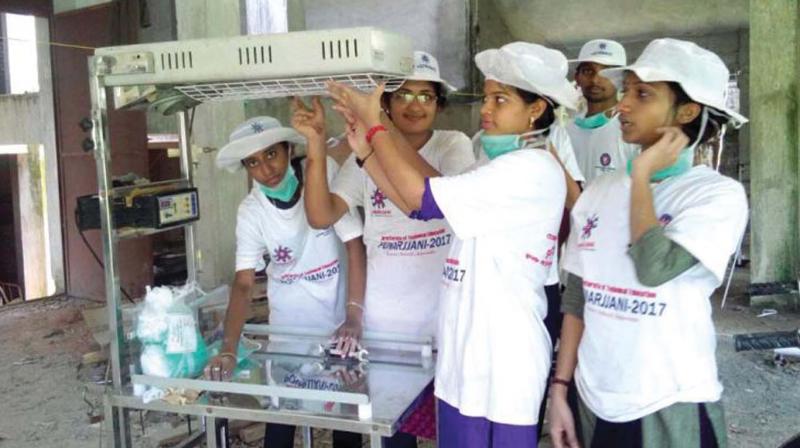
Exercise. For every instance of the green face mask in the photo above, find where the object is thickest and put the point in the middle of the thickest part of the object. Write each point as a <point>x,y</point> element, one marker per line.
<point>685,158</point>
<point>496,145</point>
<point>285,189</point>
<point>595,121</point>
<point>684,164</point>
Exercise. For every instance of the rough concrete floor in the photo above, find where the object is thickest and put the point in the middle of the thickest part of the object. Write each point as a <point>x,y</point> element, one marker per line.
<point>43,386</point>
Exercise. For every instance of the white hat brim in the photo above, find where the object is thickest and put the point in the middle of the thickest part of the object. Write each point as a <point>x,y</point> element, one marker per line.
<point>598,60</point>
<point>563,94</point>
<point>648,74</point>
<point>431,78</point>
<point>231,155</point>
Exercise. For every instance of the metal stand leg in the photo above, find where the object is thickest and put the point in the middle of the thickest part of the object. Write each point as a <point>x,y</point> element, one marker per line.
<point>108,421</point>
<point>375,441</point>
<point>116,425</point>
<point>223,433</point>
<point>307,442</point>
<point>211,432</point>
<point>217,433</point>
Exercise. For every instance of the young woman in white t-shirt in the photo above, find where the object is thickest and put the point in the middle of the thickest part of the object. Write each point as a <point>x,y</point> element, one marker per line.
<point>306,281</point>
<point>494,351</point>
<point>648,247</point>
<point>403,255</point>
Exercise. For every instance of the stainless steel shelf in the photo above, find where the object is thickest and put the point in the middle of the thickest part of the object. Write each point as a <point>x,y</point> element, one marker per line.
<point>181,183</point>
<point>127,233</point>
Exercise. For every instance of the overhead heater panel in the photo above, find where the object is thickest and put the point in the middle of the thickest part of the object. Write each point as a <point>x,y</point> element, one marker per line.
<point>262,66</point>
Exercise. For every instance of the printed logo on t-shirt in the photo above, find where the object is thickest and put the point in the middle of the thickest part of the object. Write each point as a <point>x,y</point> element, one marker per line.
<point>665,219</point>
<point>547,259</point>
<point>415,244</point>
<point>586,232</point>
<point>605,163</point>
<point>622,303</point>
<point>317,274</point>
<point>378,200</point>
<point>591,224</point>
<point>451,272</point>
<point>282,255</point>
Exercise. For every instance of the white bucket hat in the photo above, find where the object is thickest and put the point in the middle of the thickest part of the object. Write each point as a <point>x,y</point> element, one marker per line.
<point>426,68</point>
<point>701,73</point>
<point>602,51</point>
<point>530,67</point>
<point>252,136</point>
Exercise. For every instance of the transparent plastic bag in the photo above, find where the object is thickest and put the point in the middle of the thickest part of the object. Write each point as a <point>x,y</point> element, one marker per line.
<point>246,348</point>
<point>172,345</point>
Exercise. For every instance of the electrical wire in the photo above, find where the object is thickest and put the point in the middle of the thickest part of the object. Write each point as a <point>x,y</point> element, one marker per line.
<point>52,44</point>
<point>100,262</point>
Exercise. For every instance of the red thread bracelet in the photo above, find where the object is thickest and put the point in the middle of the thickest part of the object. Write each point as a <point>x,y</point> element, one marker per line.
<point>555,380</point>
<point>374,130</point>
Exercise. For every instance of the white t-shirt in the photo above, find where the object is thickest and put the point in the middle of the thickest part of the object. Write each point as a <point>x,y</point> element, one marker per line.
<point>645,348</point>
<point>306,275</point>
<point>566,153</point>
<point>494,350</point>
<point>559,138</point>
<point>600,150</point>
<point>404,255</point>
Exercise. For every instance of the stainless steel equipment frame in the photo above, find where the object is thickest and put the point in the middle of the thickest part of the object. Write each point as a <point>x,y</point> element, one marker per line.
<point>119,398</point>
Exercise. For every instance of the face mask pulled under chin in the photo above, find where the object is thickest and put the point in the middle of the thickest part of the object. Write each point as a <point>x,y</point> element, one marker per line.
<point>685,158</point>
<point>496,145</point>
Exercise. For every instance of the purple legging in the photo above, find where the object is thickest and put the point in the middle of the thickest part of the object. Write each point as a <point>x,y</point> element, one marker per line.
<point>459,431</point>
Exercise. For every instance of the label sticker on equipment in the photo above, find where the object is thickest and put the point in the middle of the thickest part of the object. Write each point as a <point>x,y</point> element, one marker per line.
<point>181,335</point>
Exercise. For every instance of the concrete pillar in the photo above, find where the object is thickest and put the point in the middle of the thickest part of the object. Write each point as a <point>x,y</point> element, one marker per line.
<point>29,119</point>
<point>774,146</point>
<point>220,192</point>
<point>31,211</point>
<point>47,137</point>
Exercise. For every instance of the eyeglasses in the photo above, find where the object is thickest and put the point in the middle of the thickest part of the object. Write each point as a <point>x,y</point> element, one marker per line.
<point>408,97</point>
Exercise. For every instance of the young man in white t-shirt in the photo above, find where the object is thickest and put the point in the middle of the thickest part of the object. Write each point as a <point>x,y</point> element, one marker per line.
<point>404,256</point>
<point>306,281</point>
<point>595,132</point>
<point>494,351</point>
<point>649,245</point>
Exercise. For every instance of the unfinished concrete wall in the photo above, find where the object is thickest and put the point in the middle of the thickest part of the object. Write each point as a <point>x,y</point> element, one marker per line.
<point>543,22</point>
<point>163,27</point>
<point>29,119</point>
<point>30,178</point>
<point>47,128</point>
<point>774,130</point>
<point>60,6</point>
<point>220,192</point>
